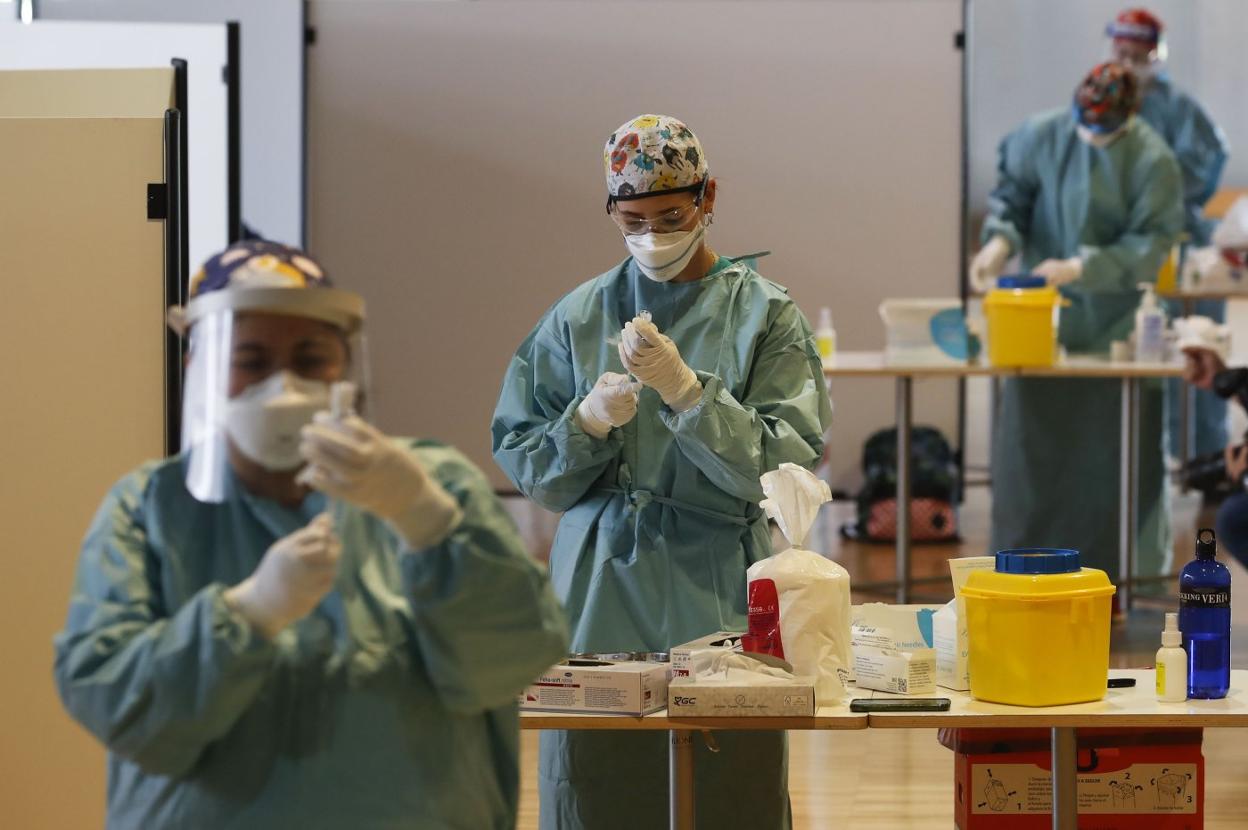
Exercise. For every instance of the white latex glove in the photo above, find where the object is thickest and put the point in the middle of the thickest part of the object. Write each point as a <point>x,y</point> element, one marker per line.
<point>611,403</point>
<point>293,577</point>
<point>654,360</point>
<point>1060,272</point>
<point>988,264</point>
<point>352,460</point>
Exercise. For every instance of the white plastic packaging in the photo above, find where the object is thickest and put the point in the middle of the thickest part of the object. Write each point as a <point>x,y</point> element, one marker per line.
<point>1202,332</point>
<point>950,636</point>
<point>909,337</point>
<point>951,644</point>
<point>1150,328</point>
<point>813,591</point>
<point>1171,663</point>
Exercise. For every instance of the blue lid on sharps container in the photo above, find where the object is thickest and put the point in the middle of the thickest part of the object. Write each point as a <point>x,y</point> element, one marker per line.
<point>1021,281</point>
<point>1037,561</point>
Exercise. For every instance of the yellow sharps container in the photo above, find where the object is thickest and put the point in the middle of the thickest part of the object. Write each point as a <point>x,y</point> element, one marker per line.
<point>1022,317</point>
<point>1039,629</point>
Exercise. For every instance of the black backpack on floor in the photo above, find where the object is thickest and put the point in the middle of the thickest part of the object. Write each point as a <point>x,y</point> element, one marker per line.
<point>933,488</point>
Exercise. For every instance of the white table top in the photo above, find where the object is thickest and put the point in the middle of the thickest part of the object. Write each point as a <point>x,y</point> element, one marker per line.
<point>876,364</point>
<point>826,717</point>
<point>1211,294</point>
<point>1136,706</point>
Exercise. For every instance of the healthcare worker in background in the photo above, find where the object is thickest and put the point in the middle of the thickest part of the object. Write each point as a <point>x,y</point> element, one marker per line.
<point>1138,42</point>
<point>1090,197</point>
<point>658,477</point>
<point>300,623</point>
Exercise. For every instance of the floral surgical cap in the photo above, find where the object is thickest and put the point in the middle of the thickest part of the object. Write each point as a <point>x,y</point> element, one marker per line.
<point>653,154</point>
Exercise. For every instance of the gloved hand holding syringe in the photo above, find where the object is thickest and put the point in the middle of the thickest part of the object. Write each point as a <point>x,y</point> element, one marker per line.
<point>653,359</point>
<point>351,460</point>
<point>613,400</point>
<point>616,340</point>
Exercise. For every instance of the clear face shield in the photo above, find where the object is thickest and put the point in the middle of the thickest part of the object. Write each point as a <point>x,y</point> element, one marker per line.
<point>1144,60</point>
<point>261,363</point>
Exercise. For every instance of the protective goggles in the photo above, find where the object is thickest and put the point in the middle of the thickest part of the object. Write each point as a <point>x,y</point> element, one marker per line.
<point>669,221</point>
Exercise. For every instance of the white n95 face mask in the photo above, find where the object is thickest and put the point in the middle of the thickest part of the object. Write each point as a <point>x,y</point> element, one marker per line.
<point>265,419</point>
<point>1101,140</point>
<point>661,256</point>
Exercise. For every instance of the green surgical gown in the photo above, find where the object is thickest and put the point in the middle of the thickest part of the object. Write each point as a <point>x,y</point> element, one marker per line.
<point>391,706</point>
<point>661,518</point>
<point>1056,447</point>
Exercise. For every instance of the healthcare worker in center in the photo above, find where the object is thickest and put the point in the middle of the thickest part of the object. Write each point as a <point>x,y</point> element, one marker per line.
<point>1138,42</point>
<point>299,621</point>
<point>658,477</point>
<point>1090,197</point>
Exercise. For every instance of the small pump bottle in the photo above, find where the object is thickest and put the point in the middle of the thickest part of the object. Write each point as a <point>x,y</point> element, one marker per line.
<point>1150,328</point>
<point>825,335</point>
<point>1171,664</point>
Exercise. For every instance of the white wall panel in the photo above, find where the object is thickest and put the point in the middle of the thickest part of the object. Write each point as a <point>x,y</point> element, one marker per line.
<point>52,45</point>
<point>456,172</point>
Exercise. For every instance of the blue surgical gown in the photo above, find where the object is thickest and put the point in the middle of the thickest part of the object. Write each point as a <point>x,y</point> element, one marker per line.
<point>661,518</point>
<point>391,706</point>
<point>1198,143</point>
<point>1056,447</point>
<point>1201,149</point>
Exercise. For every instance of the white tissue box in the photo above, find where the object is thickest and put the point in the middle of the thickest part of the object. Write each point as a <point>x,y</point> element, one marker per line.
<point>631,688</point>
<point>879,664</point>
<point>952,643</point>
<point>686,657</point>
<point>910,626</point>
<point>797,699</point>
<point>900,672</point>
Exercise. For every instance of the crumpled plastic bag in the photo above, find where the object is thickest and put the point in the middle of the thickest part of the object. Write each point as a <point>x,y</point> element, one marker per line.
<point>799,601</point>
<point>1232,231</point>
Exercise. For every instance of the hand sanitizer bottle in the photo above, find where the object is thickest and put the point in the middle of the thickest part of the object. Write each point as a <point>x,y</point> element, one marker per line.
<point>1150,328</point>
<point>1171,664</point>
<point>825,335</point>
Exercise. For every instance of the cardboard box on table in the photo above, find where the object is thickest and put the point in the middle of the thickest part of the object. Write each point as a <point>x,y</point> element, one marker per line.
<point>599,687</point>
<point>1129,779</point>
<point>687,698</point>
<point>892,647</point>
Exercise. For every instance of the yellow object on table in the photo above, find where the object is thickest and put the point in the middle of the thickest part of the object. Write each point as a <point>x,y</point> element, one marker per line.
<point>1168,274</point>
<point>1038,629</point>
<point>1022,322</point>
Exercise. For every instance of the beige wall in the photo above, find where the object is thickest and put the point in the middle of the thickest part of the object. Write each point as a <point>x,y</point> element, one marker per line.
<point>455,163</point>
<point>80,326</point>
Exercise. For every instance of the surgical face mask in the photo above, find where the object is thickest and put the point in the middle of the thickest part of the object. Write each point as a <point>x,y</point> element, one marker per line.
<point>661,256</point>
<point>1099,140</point>
<point>265,419</point>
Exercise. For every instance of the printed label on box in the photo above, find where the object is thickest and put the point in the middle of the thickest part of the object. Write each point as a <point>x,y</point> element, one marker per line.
<point>1148,789</point>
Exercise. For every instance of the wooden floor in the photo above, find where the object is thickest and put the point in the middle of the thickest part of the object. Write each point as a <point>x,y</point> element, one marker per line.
<point>903,779</point>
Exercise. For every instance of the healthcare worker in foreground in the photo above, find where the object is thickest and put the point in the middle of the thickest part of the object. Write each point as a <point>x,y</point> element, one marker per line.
<point>658,477</point>
<point>1090,198</point>
<point>1138,42</point>
<point>299,622</point>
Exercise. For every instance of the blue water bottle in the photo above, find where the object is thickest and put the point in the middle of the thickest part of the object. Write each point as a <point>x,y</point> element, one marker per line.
<point>1205,620</point>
